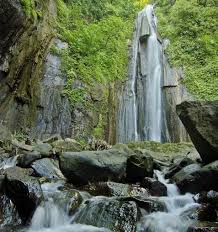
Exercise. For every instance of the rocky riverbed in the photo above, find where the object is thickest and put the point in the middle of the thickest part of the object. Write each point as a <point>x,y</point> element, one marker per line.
<point>56,185</point>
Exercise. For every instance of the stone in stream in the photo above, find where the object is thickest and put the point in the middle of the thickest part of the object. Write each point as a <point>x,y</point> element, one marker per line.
<point>114,189</point>
<point>205,179</point>
<point>178,164</point>
<point>138,167</point>
<point>26,159</point>
<point>47,168</point>
<point>113,214</point>
<point>210,197</point>
<point>201,121</point>
<point>93,166</point>
<point>150,205</point>
<point>155,187</point>
<point>204,227</point>
<point>24,191</point>
<point>8,213</point>
<point>181,175</point>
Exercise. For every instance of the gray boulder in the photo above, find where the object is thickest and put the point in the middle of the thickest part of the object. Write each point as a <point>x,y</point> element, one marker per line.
<point>205,179</point>
<point>113,214</point>
<point>181,175</point>
<point>138,167</point>
<point>24,191</point>
<point>201,121</point>
<point>48,168</point>
<point>93,166</point>
<point>26,159</point>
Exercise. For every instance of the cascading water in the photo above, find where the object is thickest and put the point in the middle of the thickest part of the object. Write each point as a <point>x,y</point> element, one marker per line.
<point>51,217</point>
<point>8,162</point>
<point>141,113</point>
<point>173,220</point>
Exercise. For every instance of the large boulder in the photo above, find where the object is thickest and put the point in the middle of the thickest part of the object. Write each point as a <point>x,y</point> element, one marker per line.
<point>93,166</point>
<point>205,179</point>
<point>201,122</point>
<point>181,175</point>
<point>138,167</point>
<point>178,164</point>
<point>113,214</point>
<point>24,191</point>
<point>155,187</point>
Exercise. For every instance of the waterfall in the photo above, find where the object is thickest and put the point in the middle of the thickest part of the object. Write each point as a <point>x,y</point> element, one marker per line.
<point>141,112</point>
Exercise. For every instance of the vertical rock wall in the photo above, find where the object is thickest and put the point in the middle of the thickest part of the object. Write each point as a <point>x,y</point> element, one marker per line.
<point>23,47</point>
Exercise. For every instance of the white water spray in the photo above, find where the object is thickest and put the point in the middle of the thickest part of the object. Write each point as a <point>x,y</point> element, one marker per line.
<point>172,220</point>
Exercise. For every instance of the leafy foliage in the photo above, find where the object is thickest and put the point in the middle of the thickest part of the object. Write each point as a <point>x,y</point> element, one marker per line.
<point>97,33</point>
<point>191,26</point>
<point>29,8</point>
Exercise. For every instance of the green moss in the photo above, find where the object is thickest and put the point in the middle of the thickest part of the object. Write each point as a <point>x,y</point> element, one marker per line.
<point>160,147</point>
<point>30,10</point>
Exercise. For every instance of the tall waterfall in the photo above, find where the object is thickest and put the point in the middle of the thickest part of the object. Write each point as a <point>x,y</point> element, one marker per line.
<point>141,114</point>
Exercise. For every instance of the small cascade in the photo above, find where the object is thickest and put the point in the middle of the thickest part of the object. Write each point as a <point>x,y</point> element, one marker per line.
<point>8,162</point>
<point>141,113</point>
<point>51,217</point>
<point>173,220</point>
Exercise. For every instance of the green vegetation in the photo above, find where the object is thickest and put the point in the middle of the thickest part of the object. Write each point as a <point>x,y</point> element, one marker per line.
<point>97,33</point>
<point>161,147</point>
<point>30,9</point>
<point>191,26</point>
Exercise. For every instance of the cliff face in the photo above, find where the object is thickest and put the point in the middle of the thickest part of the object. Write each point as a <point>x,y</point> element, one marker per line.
<point>32,81</point>
<point>23,48</point>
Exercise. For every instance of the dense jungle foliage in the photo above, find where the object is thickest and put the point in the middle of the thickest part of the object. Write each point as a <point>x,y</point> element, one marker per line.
<point>97,33</point>
<point>191,26</point>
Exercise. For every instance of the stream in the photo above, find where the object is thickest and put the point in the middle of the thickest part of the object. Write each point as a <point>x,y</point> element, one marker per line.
<point>51,217</point>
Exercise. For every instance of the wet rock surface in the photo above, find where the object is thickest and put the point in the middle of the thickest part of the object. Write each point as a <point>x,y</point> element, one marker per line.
<point>204,227</point>
<point>113,214</point>
<point>114,189</point>
<point>205,179</point>
<point>47,168</point>
<point>40,188</point>
<point>81,168</point>
<point>138,167</point>
<point>24,191</point>
<point>201,122</point>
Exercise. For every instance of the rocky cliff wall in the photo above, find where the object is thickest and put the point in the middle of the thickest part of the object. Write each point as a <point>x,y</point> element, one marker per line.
<point>32,82</point>
<point>24,44</point>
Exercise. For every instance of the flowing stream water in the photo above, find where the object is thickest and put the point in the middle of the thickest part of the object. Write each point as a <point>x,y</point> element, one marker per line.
<point>174,220</point>
<point>50,217</point>
<point>141,112</point>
